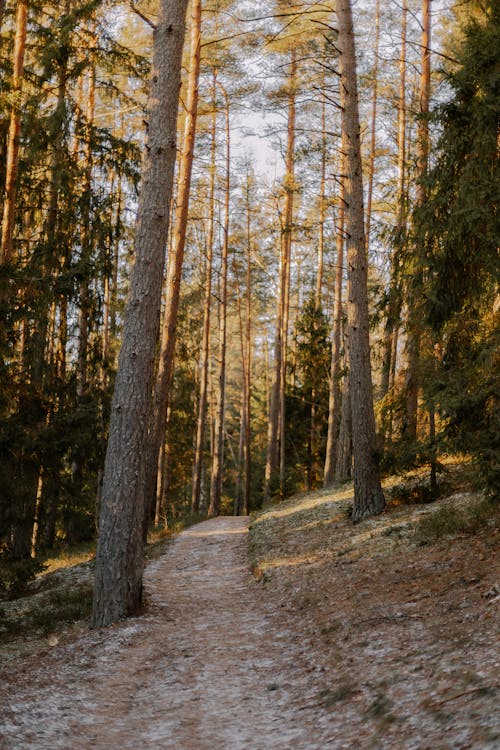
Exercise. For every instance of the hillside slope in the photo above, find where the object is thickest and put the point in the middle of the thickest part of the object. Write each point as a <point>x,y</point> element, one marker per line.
<point>400,617</point>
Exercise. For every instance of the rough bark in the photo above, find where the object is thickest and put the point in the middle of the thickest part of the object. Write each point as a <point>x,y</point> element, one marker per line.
<point>119,561</point>
<point>368,495</point>
<point>175,264</point>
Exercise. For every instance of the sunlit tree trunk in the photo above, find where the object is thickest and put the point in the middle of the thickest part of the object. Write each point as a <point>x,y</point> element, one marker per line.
<point>276,425</point>
<point>218,448</point>
<point>322,206</point>
<point>334,404</point>
<point>119,560</point>
<point>368,495</point>
<point>175,264</point>
<point>248,369</point>
<point>373,129</point>
<point>9,205</point>
<point>205,347</point>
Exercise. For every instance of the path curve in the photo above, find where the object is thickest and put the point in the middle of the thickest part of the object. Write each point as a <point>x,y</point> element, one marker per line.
<point>211,666</point>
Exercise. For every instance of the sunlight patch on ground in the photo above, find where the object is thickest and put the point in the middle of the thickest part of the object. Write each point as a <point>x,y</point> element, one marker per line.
<point>287,562</point>
<point>312,524</point>
<point>215,532</point>
<point>305,503</point>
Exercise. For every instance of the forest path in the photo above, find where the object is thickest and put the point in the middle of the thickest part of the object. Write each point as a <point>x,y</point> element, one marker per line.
<point>210,665</point>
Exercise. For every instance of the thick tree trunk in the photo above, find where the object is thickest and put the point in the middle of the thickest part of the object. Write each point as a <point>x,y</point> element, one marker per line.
<point>175,264</point>
<point>335,400</point>
<point>119,561</point>
<point>218,452</point>
<point>9,206</point>
<point>368,495</point>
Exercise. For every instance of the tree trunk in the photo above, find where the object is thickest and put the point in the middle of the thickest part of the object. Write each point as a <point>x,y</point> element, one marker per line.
<point>276,424</point>
<point>218,452</point>
<point>394,303</point>
<point>373,129</point>
<point>343,463</point>
<point>119,560</point>
<point>9,206</point>
<point>205,347</point>
<point>335,399</point>
<point>368,495</point>
<point>175,264</point>
<point>322,205</point>
<point>413,333</point>
<point>248,372</point>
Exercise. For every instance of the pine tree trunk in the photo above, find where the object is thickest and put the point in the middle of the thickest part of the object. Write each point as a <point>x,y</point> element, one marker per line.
<point>218,452</point>
<point>248,372</point>
<point>373,129</point>
<point>119,560</point>
<point>368,495</point>
<point>412,377</point>
<point>322,206</point>
<point>276,424</point>
<point>335,400</point>
<point>9,206</point>
<point>343,463</point>
<point>205,347</point>
<point>175,264</point>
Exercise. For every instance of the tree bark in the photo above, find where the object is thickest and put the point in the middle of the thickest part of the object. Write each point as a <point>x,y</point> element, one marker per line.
<point>119,560</point>
<point>368,495</point>
<point>276,424</point>
<point>389,362</point>
<point>412,375</point>
<point>218,448</point>
<point>205,348</point>
<point>373,130</point>
<point>175,264</point>
<point>335,399</point>
<point>9,206</point>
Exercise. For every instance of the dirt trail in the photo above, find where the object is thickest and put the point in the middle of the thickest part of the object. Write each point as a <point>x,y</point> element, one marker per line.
<point>210,665</point>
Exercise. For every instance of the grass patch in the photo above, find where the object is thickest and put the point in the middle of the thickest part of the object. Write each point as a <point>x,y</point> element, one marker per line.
<point>450,520</point>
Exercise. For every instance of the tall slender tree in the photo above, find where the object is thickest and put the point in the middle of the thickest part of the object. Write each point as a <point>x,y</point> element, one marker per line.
<point>119,560</point>
<point>368,495</point>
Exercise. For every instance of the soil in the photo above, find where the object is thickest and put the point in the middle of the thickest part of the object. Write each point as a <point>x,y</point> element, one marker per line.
<point>378,644</point>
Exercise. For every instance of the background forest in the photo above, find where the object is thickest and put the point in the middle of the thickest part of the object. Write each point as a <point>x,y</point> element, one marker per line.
<point>253,404</point>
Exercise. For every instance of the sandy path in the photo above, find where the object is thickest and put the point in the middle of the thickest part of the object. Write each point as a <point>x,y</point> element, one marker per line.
<point>211,665</point>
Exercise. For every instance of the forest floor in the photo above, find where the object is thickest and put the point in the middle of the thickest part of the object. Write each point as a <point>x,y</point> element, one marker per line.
<point>383,635</point>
